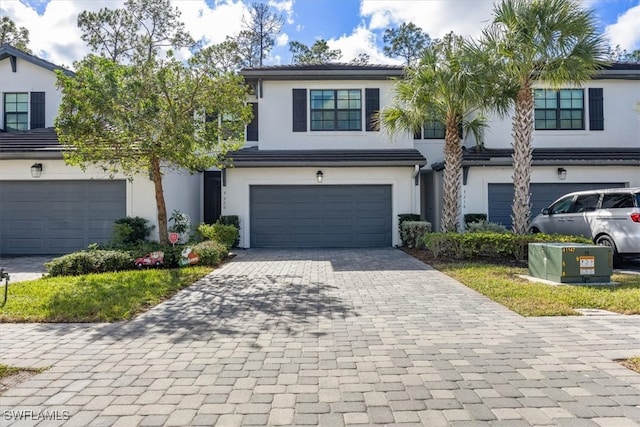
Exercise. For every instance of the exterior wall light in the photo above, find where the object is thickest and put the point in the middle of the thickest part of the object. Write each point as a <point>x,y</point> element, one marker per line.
<point>562,174</point>
<point>319,177</point>
<point>36,170</point>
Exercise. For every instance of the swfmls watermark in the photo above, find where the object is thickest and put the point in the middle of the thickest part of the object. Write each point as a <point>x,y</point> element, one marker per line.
<point>31,415</point>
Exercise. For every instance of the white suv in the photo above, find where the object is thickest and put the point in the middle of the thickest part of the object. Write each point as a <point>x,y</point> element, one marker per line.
<point>610,217</point>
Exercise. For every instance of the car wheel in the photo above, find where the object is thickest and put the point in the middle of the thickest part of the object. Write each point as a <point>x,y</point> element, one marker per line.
<point>158,263</point>
<point>139,265</point>
<point>605,240</point>
<point>534,230</point>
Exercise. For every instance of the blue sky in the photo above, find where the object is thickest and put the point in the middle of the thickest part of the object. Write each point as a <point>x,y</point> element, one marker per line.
<point>354,26</point>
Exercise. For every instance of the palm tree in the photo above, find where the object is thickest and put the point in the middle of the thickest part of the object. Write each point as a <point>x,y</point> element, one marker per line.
<point>444,86</point>
<point>552,41</point>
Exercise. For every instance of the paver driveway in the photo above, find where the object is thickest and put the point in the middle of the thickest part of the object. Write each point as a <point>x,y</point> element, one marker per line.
<point>328,337</point>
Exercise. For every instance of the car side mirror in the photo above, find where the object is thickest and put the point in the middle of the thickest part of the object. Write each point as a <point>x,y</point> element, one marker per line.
<point>545,211</point>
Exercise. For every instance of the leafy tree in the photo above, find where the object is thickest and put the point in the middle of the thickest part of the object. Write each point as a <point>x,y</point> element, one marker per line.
<point>135,33</point>
<point>224,56</point>
<point>554,41</point>
<point>318,53</point>
<point>14,36</point>
<point>617,54</point>
<point>259,33</point>
<point>128,119</point>
<point>445,85</point>
<point>406,42</point>
<point>361,59</point>
<point>135,109</point>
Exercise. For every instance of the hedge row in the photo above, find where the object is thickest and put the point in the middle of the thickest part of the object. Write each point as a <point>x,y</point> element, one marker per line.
<point>461,246</point>
<point>85,262</point>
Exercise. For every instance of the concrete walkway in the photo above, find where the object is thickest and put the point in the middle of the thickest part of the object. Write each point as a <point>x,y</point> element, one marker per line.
<point>331,338</point>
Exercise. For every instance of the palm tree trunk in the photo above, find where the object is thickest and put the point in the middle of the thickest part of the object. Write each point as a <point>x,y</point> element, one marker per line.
<point>522,159</point>
<point>452,176</point>
<point>160,203</point>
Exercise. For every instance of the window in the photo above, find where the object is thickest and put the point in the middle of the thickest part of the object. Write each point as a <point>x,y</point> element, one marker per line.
<point>559,109</point>
<point>336,110</point>
<point>433,129</point>
<point>617,201</point>
<point>585,203</point>
<point>561,206</point>
<point>16,111</point>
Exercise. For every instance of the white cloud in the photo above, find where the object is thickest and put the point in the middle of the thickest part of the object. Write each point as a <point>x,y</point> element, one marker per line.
<point>437,18</point>
<point>282,39</point>
<point>285,7</point>
<point>214,25</point>
<point>626,30</point>
<point>55,36</point>
<point>360,41</point>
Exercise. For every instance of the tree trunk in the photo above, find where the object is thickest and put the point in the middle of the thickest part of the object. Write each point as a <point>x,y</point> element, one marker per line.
<point>522,159</point>
<point>163,231</point>
<point>452,175</point>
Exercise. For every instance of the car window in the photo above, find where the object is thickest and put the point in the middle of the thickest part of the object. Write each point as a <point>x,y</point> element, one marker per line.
<point>561,206</point>
<point>617,201</point>
<point>585,203</point>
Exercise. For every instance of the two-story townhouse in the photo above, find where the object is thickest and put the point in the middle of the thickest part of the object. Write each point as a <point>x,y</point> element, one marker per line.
<point>47,207</point>
<point>305,153</point>
<point>317,171</point>
<point>585,137</point>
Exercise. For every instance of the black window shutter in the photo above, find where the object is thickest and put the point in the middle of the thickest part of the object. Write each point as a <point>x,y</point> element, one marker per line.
<point>37,110</point>
<point>252,128</point>
<point>299,110</point>
<point>372,106</point>
<point>596,110</point>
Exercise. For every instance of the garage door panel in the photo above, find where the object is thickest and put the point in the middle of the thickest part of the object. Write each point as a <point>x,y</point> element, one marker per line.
<point>500,197</point>
<point>54,217</point>
<point>320,216</point>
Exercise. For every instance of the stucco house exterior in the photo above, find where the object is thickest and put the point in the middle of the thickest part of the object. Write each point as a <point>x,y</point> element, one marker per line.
<point>47,207</point>
<point>585,137</point>
<point>316,169</point>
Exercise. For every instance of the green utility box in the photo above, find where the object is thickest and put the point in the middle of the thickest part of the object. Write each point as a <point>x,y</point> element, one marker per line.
<point>570,262</point>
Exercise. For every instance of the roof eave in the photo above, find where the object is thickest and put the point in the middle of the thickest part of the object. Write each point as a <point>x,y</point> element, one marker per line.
<point>326,163</point>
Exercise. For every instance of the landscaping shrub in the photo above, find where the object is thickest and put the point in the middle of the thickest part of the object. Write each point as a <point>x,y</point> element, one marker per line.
<point>211,252</point>
<point>231,220</point>
<point>484,226</point>
<point>86,262</point>
<point>474,217</point>
<point>495,246</point>
<point>412,233</point>
<point>225,234</point>
<point>403,218</point>
<point>129,230</point>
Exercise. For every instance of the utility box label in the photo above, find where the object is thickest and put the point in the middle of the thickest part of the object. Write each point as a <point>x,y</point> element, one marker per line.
<point>587,265</point>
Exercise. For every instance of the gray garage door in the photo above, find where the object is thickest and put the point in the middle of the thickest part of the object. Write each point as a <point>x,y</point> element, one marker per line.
<point>542,195</point>
<point>320,216</point>
<point>55,217</point>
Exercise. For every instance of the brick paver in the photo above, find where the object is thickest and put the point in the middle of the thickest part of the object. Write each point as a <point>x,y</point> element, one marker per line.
<point>329,337</point>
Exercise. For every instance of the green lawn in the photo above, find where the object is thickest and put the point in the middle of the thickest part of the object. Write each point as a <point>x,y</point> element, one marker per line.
<point>501,284</point>
<point>106,297</point>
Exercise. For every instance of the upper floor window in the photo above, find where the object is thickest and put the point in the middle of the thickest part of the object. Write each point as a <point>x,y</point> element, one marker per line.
<point>559,109</point>
<point>16,111</point>
<point>433,129</point>
<point>333,110</point>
